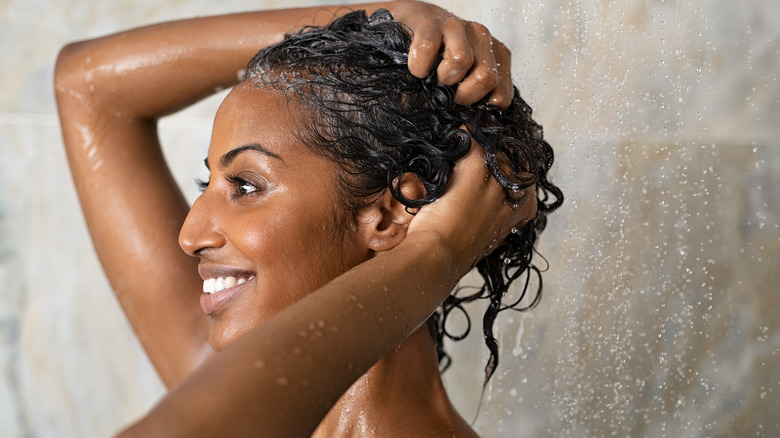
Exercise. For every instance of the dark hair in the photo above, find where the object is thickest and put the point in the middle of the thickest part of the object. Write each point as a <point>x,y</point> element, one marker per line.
<point>377,121</point>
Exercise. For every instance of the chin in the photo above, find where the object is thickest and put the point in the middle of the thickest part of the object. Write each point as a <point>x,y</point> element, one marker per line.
<point>221,337</point>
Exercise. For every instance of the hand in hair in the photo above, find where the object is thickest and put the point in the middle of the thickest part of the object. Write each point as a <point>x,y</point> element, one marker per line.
<point>478,63</point>
<point>474,194</point>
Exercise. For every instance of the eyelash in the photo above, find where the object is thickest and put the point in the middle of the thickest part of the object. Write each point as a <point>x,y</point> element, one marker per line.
<point>235,181</point>
<point>202,185</point>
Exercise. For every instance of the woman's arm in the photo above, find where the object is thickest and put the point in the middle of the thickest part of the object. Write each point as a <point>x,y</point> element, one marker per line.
<point>111,91</point>
<point>281,378</point>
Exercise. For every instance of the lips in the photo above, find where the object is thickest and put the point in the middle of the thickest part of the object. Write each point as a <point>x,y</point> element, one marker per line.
<point>220,285</point>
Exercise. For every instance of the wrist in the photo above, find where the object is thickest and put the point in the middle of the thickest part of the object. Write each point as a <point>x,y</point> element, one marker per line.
<point>397,8</point>
<point>440,252</point>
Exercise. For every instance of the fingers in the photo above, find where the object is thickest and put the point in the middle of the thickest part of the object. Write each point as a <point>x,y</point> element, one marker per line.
<point>424,50</point>
<point>481,202</point>
<point>472,59</point>
<point>476,62</point>
<point>473,216</point>
<point>502,95</point>
<point>471,175</point>
<point>458,57</point>
<point>482,74</point>
<point>525,210</point>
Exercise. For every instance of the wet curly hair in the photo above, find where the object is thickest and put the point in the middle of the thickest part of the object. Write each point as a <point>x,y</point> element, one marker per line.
<point>377,121</point>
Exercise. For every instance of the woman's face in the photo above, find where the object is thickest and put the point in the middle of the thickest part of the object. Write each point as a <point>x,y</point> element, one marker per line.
<point>269,228</point>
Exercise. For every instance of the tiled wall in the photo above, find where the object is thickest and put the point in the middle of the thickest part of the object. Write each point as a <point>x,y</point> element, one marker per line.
<point>659,316</point>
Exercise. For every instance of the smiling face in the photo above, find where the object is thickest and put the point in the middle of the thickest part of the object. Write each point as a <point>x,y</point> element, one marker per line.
<point>269,228</point>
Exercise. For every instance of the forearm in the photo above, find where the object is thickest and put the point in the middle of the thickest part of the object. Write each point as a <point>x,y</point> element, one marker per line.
<point>155,70</point>
<point>301,360</point>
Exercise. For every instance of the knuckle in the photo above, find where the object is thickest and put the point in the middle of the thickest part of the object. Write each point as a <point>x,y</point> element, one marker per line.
<point>501,50</point>
<point>424,49</point>
<point>478,29</point>
<point>486,78</point>
<point>501,101</point>
<point>426,45</point>
<point>460,61</point>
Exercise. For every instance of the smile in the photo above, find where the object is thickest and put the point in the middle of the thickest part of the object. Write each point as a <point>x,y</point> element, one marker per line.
<point>217,284</point>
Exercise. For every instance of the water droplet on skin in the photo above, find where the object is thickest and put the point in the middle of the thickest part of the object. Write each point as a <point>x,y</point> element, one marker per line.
<point>281,381</point>
<point>320,323</point>
<point>297,350</point>
<point>258,364</point>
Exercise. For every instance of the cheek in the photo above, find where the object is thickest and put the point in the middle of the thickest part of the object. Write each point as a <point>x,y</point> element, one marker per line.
<point>300,245</point>
<point>293,255</point>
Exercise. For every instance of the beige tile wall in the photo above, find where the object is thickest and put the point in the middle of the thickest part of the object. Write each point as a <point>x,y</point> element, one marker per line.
<point>659,316</point>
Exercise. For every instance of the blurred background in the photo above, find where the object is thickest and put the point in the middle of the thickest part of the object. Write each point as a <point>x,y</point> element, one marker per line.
<point>660,310</point>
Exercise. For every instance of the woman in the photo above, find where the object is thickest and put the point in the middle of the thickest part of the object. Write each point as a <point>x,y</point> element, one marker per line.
<point>309,275</point>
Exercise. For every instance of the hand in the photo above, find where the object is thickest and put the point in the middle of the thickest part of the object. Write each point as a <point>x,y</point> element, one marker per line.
<point>473,59</point>
<point>473,216</point>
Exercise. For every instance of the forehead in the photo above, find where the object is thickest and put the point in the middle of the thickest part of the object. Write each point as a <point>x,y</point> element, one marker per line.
<point>257,115</point>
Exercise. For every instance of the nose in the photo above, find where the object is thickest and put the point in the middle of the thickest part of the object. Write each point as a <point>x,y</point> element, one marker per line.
<point>201,228</point>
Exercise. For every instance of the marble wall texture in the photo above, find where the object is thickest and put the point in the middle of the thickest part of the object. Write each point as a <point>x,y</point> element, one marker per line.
<point>660,315</point>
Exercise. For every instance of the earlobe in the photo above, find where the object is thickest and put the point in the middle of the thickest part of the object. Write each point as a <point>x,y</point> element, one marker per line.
<point>384,223</point>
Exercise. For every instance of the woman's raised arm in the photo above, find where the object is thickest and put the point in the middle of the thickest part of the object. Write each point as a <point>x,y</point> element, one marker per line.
<point>111,91</point>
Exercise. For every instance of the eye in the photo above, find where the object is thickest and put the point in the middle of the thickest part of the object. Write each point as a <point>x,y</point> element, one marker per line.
<point>241,187</point>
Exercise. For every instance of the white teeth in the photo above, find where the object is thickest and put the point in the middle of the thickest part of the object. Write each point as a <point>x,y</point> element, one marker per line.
<point>216,284</point>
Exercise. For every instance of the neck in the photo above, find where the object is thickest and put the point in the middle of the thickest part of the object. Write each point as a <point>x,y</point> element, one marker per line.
<point>401,395</point>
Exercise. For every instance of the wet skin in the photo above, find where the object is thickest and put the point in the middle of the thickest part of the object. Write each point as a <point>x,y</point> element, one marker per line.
<point>270,215</point>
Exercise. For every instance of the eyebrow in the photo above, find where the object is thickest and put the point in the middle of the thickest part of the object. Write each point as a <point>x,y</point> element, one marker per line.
<point>233,153</point>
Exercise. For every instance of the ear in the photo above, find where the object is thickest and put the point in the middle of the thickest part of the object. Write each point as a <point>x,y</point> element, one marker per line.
<point>383,224</point>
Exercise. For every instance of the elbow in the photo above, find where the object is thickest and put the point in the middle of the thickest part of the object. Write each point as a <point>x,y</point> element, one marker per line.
<point>129,432</point>
<point>143,429</point>
<point>72,72</point>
